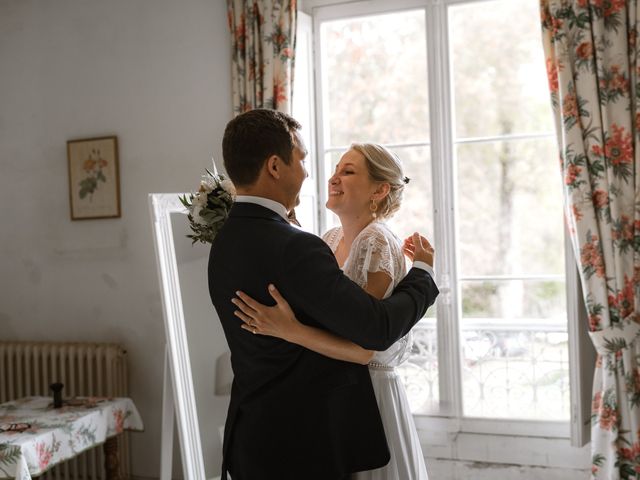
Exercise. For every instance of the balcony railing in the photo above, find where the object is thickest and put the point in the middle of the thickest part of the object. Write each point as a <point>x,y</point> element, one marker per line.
<point>511,369</point>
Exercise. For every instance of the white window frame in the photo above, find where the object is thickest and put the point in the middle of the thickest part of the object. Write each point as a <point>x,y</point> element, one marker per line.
<point>449,419</point>
<point>302,92</point>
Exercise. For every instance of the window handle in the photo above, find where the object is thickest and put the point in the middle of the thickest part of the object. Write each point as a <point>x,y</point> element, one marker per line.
<point>444,285</point>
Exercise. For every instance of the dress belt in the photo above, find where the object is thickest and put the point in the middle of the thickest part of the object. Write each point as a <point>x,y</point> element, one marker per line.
<point>381,366</point>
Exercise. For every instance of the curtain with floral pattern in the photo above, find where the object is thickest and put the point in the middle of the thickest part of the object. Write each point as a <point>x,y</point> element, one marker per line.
<point>591,49</point>
<point>263,41</point>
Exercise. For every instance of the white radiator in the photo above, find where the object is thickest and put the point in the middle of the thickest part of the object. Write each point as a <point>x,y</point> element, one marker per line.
<point>86,369</point>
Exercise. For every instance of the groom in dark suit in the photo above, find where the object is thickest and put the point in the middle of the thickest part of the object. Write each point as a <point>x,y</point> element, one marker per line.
<point>295,414</point>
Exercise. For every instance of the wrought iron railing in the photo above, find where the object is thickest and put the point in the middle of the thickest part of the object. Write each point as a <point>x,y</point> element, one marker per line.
<point>510,369</point>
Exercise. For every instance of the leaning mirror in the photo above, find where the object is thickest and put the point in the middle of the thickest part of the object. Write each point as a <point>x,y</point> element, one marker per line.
<point>196,367</point>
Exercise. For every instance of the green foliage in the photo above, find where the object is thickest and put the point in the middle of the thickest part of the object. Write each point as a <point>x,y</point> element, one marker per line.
<point>9,454</point>
<point>89,184</point>
<point>598,459</point>
<point>548,290</point>
<point>478,298</point>
<point>615,344</point>
<point>209,207</point>
<point>88,433</point>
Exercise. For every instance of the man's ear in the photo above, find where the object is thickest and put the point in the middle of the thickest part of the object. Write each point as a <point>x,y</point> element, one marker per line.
<point>274,164</point>
<point>381,191</point>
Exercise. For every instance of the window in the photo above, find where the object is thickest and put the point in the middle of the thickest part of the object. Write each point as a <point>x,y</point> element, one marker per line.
<point>369,71</point>
<point>509,229</point>
<point>303,111</point>
<point>458,91</point>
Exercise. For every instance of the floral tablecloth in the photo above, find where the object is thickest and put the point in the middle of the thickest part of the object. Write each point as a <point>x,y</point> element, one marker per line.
<point>34,436</point>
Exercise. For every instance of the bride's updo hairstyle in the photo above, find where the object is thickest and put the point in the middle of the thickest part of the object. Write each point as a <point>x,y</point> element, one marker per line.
<point>384,167</point>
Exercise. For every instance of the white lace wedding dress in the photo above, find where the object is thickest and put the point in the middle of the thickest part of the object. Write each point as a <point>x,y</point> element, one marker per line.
<point>377,249</point>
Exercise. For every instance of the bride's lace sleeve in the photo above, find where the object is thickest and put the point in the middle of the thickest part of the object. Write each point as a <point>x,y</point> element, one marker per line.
<point>377,250</point>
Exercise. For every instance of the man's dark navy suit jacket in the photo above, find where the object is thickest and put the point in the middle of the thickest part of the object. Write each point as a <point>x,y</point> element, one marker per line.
<point>295,414</point>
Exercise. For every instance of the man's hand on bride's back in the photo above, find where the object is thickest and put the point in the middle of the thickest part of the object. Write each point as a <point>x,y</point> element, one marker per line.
<point>418,249</point>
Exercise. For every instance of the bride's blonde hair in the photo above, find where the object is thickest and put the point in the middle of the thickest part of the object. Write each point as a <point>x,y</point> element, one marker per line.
<point>384,167</point>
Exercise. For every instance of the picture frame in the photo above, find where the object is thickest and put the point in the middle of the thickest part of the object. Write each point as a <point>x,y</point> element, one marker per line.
<point>94,178</point>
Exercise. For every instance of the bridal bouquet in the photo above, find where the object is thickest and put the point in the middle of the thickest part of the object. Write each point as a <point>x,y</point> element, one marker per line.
<point>209,206</point>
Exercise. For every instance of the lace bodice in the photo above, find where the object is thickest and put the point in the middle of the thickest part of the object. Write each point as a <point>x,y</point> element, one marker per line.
<point>376,249</point>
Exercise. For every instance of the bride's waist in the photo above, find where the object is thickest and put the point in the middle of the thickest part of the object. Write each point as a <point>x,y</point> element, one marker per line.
<point>381,366</point>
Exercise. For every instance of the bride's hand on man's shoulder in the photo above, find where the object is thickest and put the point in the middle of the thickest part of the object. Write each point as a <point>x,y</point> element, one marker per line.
<point>276,321</point>
<point>418,249</point>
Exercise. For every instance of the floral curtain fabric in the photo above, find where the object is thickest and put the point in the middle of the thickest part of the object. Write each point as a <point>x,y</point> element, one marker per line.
<point>262,53</point>
<point>591,49</point>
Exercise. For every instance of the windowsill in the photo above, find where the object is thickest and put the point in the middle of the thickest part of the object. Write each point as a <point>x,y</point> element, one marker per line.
<point>501,442</point>
<point>493,426</point>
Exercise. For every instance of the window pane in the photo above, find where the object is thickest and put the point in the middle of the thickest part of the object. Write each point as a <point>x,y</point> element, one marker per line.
<point>375,90</point>
<point>375,79</point>
<point>515,371</point>
<point>305,212</point>
<point>420,371</point>
<point>509,217</point>
<point>510,208</point>
<point>416,212</point>
<point>523,299</point>
<point>500,83</point>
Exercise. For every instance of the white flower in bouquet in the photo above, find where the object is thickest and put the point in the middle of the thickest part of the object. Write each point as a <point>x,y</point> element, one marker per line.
<point>228,186</point>
<point>195,213</point>
<point>207,184</point>
<point>200,199</point>
<point>209,207</point>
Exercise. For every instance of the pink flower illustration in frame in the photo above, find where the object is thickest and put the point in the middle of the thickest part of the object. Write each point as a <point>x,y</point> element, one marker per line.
<point>94,179</point>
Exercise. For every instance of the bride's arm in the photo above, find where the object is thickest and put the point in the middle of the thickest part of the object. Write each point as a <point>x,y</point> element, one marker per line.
<point>280,321</point>
<point>377,284</point>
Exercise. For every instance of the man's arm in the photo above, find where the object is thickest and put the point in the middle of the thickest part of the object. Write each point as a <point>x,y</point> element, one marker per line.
<point>317,289</point>
<point>279,321</point>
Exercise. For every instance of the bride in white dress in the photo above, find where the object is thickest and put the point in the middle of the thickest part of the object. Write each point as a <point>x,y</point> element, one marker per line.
<point>365,189</point>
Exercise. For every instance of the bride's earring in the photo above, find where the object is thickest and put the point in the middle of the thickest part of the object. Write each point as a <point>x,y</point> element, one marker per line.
<point>373,207</point>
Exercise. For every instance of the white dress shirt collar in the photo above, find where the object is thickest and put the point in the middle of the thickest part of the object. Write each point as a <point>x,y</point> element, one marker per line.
<point>264,202</point>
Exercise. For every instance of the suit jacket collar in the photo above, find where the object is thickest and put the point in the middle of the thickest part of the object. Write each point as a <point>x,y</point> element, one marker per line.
<point>253,210</point>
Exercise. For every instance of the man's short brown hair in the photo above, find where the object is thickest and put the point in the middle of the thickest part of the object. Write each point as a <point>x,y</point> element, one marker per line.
<point>251,138</point>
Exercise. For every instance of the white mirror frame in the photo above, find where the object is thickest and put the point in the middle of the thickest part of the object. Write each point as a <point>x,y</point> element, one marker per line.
<point>161,206</point>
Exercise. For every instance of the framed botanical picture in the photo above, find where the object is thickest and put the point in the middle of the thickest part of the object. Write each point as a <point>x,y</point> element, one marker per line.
<point>94,181</point>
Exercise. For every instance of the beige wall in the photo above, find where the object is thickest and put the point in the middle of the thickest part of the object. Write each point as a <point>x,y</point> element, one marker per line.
<point>156,74</point>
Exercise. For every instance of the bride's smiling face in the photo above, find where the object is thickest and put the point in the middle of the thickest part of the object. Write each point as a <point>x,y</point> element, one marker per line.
<point>351,187</point>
